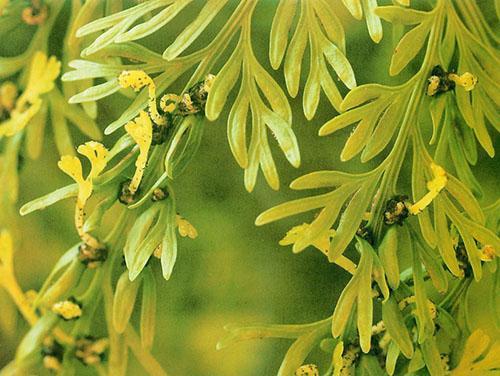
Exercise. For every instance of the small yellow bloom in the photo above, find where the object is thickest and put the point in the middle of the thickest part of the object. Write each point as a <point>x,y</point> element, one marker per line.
<point>467,80</point>
<point>67,309</point>
<point>137,79</point>
<point>43,72</point>
<point>488,253</point>
<point>185,228</point>
<point>141,130</point>
<point>71,165</point>
<point>307,370</point>
<point>434,186</point>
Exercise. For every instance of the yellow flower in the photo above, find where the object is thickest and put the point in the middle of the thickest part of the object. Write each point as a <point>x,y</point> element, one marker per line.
<point>97,155</point>
<point>137,79</point>
<point>141,130</point>
<point>467,80</point>
<point>488,253</point>
<point>185,228</point>
<point>434,186</point>
<point>67,309</point>
<point>480,356</point>
<point>43,72</point>
<point>71,165</point>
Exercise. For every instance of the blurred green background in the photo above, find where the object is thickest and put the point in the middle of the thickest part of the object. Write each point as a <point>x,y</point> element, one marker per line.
<point>233,272</point>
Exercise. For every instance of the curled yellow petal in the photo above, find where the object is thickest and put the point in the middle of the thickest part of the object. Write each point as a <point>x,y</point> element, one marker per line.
<point>137,79</point>
<point>141,130</point>
<point>97,155</point>
<point>434,186</point>
<point>71,165</point>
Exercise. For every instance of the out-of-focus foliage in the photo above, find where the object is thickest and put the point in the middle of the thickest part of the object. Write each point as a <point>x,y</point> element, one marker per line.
<point>421,295</point>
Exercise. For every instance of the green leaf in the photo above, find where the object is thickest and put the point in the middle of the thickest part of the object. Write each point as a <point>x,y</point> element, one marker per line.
<point>339,63</point>
<point>169,242</point>
<point>351,218</point>
<point>433,266</point>
<point>364,300</point>
<point>358,139</point>
<point>124,301</point>
<point>236,128</point>
<point>424,319</point>
<point>49,199</point>
<point>290,208</point>
<point>388,253</point>
<point>445,243</point>
<point>399,15</point>
<point>194,29</point>
<point>295,55</point>
<point>280,28</point>
<point>391,358</point>
<point>96,92</point>
<point>299,351</point>
<point>354,7</point>
<point>144,236</point>
<point>154,23</point>
<point>345,306</point>
<point>432,358</point>
<point>148,309</point>
<point>369,365</point>
<point>372,20</point>
<point>384,131</point>
<point>322,179</point>
<point>35,336</point>
<point>222,85</point>
<point>408,47</point>
<point>394,322</point>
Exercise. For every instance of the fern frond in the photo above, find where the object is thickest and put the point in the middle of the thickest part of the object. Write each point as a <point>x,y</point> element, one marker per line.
<point>317,24</point>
